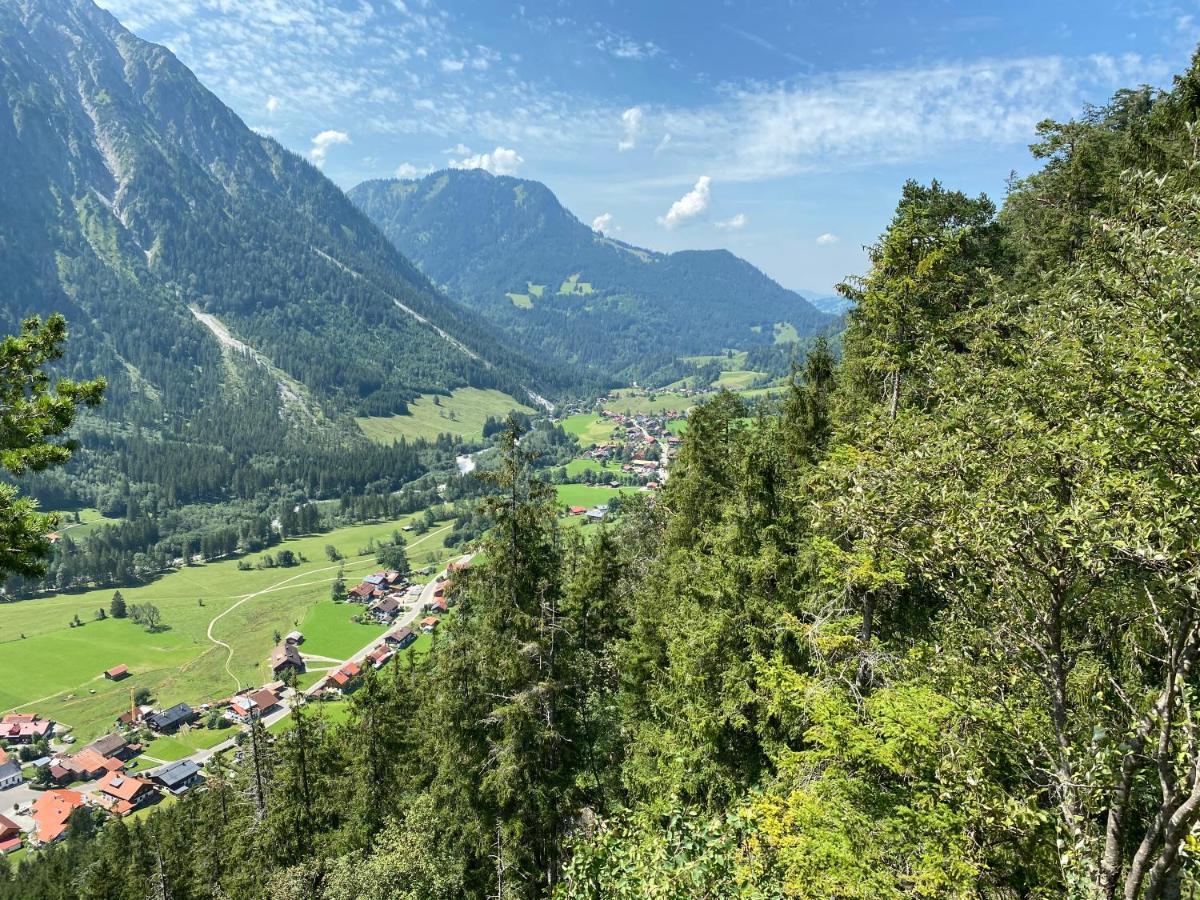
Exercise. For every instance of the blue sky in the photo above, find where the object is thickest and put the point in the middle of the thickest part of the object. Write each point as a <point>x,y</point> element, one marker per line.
<point>781,130</point>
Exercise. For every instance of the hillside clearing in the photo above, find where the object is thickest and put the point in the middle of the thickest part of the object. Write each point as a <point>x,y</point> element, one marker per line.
<point>462,414</point>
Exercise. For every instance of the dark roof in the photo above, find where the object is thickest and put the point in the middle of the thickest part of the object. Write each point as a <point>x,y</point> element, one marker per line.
<point>176,715</point>
<point>9,769</point>
<point>174,774</point>
<point>107,745</point>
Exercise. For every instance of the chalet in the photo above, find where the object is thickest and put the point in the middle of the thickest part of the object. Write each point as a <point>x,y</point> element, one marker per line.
<point>385,611</point>
<point>87,764</point>
<point>124,793</point>
<point>24,728</point>
<point>380,656</point>
<point>170,720</point>
<point>246,707</point>
<point>377,580</point>
<point>429,623</point>
<point>438,605</point>
<point>346,676</point>
<point>392,578</point>
<point>361,593</point>
<point>111,745</point>
<point>285,657</point>
<point>10,835</point>
<point>116,673</point>
<point>578,510</point>
<point>400,638</point>
<point>51,811</point>
<point>177,777</point>
<point>294,637</point>
<point>10,774</point>
<point>597,514</point>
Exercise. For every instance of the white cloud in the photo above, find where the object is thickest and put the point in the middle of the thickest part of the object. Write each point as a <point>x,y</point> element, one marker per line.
<point>631,123</point>
<point>694,203</point>
<point>408,170</point>
<point>322,142</point>
<point>452,65</point>
<point>827,239</point>
<point>663,144</point>
<point>737,223</point>
<point>459,149</point>
<point>603,223</point>
<point>501,161</point>
<point>627,48</point>
<point>272,104</point>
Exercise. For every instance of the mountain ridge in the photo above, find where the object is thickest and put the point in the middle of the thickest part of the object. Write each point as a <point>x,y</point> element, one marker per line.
<point>509,249</point>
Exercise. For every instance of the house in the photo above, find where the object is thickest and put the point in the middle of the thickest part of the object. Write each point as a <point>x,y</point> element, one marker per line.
<point>578,510</point>
<point>10,836</point>
<point>597,514</point>
<point>87,763</point>
<point>380,656</point>
<point>294,637</point>
<point>285,657</point>
<point>116,673</point>
<point>10,774</point>
<point>429,623</point>
<point>177,777</point>
<point>246,707</point>
<point>110,745</point>
<point>385,611</point>
<point>346,676</point>
<point>377,580</point>
<point>170,720</point>
<point>24,728</point>
<point>360,593</point>
<point>400,638</point>
<point>438,605</point>
<point>124,793</point>
<point>51,811</point>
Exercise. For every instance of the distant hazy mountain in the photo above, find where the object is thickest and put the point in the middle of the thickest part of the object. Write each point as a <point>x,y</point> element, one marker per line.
<point>833,304</point>
<point>200,263</point>
<point>507,248</point>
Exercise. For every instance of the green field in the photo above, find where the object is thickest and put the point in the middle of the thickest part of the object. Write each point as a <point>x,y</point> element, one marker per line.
<point>89,520</point>
<point>577,467</point>
<point>737,361</point>
<point>587,494</point>
<point>462,413</point>
<point>535,290</point>
<point>50,668</point>
<point>574,286</point>
<point>785,332</point>
<point>328,630</point>
<point>590,429</point>
<point>520,300</point>
<point>736,380</point>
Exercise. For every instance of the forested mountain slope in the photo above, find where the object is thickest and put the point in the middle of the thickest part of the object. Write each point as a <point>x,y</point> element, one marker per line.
<point>506,247</point>
<point>169,233</point>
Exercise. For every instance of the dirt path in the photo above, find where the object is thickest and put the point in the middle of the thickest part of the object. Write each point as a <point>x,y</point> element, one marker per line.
<point>279,585</point>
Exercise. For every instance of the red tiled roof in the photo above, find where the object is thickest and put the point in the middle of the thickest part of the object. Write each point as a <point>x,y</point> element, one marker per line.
<point>117,671</point>
<point>51,811</point>
<point>122,787</point>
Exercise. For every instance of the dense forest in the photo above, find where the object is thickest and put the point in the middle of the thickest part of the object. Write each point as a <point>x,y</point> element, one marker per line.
<point>598,304</point>
<point>927,628</point>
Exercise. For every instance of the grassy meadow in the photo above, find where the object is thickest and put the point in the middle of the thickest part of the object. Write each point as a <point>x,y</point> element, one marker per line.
<point>49,667</point>
<point>462,413</point>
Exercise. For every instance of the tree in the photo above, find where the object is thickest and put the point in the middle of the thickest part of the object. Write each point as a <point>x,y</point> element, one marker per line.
<point>394,557</point>
<point>142,696</point>
<point>117,607</point>
<point>147,615</point>
<point>332,553</point>
<point>36,412</point>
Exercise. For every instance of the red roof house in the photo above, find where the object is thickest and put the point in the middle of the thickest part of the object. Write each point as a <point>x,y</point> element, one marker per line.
<point>51,811</point>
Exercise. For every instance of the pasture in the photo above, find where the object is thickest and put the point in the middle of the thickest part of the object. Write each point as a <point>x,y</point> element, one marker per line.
<point>54,669</point>
<point>588,428</point>
<point>462,414</point>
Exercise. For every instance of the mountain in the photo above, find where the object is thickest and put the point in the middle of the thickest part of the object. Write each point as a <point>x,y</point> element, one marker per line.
<point>833,304</point>
<point>507,248</point>
<point>211,275</point>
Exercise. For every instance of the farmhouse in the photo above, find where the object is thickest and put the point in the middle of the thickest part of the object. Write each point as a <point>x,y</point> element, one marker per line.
<point>113,745</point>
<point>380,655</point>
<point>294,637</point>
<point>384,611</point>
<point>134,716</point>
<point>177,777</point>
<point>10,774</point>
<point>346,676</point>
<point>438,605</point>
<point>361,593</point>
<point>429,623</point>
<point>170,720</point>
<point>247,707</point>
<point>51,811</point>
<point>400,638</point>
<point>116,673</point>
<point>125,793</point>
<point>24,728</point>
<point>285,657</point>
<point>10,836</point>
<point>87,763</point>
